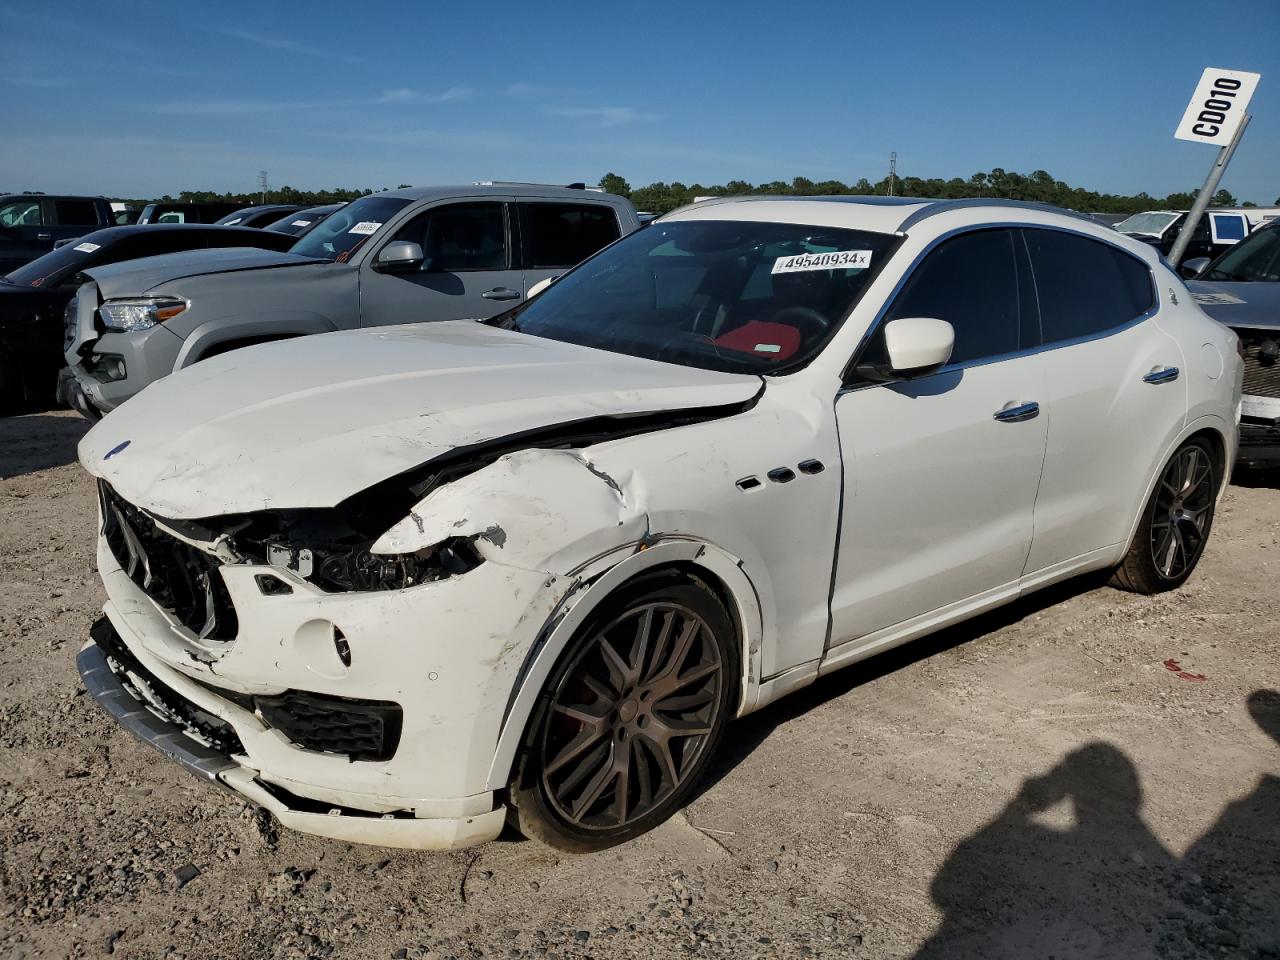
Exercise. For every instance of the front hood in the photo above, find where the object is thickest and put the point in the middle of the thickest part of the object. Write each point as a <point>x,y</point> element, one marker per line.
<point>310,422</point>
<point>134,277</point>
<point>1255,306</point>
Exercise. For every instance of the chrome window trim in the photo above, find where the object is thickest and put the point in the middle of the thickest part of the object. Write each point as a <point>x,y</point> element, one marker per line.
<point>1041,347</point>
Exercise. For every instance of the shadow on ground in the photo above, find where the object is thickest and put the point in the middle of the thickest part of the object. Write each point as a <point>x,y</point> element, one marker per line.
<point>1106,886</point>
<point>1256,479</point>
<point>38,441</point>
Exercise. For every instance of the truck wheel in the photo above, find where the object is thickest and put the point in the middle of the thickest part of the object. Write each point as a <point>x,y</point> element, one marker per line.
<point>630,718</point>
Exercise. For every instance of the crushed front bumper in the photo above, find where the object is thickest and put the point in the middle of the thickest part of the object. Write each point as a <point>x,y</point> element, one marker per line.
<point>117,695</point>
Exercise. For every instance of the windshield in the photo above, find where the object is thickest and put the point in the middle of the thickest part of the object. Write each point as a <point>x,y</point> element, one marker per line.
<point>300,221</point>
<point>342,233</point>
<point>1151,224</point>
<point>1256,258</point>
<point>721,295</point>
<point>49,269</point>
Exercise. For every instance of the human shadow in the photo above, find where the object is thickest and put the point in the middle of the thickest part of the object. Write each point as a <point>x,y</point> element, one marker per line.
<point>38,442</point>
<point>1025,886</point>
<point>1233,872</point>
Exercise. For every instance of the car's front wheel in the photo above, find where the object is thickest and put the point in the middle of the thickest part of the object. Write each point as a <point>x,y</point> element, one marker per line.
<point>1176,523</point>
<point>630,718</point>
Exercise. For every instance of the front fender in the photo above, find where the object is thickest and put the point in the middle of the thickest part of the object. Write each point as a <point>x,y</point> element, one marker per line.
<point>277,324</point>
<point>595,588</point>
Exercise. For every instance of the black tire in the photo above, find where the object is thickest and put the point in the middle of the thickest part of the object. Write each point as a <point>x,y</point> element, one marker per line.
<point>636,745</point>
<point>1175,524</point>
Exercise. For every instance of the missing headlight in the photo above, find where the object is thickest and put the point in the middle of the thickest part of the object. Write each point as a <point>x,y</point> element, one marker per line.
<point>336,568</point>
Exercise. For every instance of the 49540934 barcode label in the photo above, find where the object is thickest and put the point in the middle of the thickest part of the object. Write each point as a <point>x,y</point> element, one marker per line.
<point>835,260</point>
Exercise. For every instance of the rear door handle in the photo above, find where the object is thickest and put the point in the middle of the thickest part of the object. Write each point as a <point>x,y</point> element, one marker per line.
<point>1014,412</point>
<point>1161,375</point>
<point>501,293</point>
<point>44,236</point>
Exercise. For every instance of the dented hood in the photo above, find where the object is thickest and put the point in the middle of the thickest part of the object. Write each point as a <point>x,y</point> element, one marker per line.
<point>135,277</point>
<point>309,422</point>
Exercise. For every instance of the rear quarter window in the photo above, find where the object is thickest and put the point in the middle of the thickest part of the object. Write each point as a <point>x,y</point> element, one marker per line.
<point>565,234</point>
<point>1085,287</point>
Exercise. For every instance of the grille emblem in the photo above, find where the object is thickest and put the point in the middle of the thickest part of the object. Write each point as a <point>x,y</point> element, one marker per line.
<point>118,448</point>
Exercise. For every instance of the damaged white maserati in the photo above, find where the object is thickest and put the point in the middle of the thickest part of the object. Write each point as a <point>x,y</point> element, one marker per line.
<point>406,585</point>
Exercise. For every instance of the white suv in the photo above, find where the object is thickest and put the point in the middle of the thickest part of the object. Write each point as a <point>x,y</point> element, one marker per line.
<point>402,585</point>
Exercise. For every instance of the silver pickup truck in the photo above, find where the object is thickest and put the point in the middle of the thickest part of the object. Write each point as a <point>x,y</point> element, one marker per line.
<point>404,256</point>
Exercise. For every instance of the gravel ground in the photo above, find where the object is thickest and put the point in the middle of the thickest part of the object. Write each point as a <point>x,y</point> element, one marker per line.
<point>1084,774</point>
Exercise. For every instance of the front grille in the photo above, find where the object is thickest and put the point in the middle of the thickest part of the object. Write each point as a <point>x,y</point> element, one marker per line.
<point>358,729</point>
<point>1261,377</point>
<point>182,579</point>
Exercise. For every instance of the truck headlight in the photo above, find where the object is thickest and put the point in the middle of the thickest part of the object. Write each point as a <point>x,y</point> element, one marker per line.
<point>140,313</point>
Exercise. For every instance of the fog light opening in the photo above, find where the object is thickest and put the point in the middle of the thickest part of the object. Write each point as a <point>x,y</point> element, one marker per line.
<point>342,647</point>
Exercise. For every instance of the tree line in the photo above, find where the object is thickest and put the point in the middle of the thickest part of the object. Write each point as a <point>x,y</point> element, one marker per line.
<point>1039,186</point>
<point>661,197</point>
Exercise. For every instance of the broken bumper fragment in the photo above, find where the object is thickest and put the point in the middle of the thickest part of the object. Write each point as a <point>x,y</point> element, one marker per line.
<point>117,690</point>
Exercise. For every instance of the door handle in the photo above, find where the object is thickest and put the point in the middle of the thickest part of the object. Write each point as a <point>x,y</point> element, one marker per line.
<point>501,293</point>
<point>44,236</point>
<point>1161,375</point>
<point>1014,412</point>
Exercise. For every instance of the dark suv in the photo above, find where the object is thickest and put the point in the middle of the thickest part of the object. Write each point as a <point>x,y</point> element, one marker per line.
<point>31,223</point>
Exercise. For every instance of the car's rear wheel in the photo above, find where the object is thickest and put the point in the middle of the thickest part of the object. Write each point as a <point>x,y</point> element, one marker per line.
<point>630,718</point>
<point>1176,523</point>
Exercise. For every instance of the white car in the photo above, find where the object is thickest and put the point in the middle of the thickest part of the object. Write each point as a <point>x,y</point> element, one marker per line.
<point>403,585</point>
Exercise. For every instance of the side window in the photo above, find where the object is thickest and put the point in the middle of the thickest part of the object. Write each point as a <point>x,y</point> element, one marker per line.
<point>565,234</point>
<point>970,281</point>
<point>460,237</point>
<point>21,213</point>
<point>1085,286</point>
<point>75,213</point>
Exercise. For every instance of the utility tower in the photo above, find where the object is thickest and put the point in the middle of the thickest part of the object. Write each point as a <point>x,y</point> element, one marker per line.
<point>893,170</point>
<point>262,184</point>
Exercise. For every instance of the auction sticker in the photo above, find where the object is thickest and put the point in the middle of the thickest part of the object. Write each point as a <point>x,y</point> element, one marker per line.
<point>86,247</point>
<point>300,223</point>
<point>835,260</point>
<point>365,227</point>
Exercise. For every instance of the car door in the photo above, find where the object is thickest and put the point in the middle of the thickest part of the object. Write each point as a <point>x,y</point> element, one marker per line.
<point>941,471</point>
<point>68,218</point>
<point>23,232</point>
<point>557,236</point>
<point>467,270</point>
<point>1114,383</point>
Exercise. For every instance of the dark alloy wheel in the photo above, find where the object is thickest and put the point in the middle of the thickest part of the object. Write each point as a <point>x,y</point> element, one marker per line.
<point>1176,523</point>
<point>631,716</point>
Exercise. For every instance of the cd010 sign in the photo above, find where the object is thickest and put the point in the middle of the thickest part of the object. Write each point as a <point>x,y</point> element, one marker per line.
<point>1218,106</point>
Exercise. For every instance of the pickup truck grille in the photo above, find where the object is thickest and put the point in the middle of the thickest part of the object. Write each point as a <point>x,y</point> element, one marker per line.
<point>1260,379</point>
<point>180,578</point>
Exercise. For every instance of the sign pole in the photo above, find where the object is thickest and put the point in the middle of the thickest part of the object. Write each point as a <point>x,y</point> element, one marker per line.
<point>1206,193</point>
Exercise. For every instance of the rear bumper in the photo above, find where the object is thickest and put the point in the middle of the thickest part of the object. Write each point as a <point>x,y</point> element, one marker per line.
<point>1259,444</point>
<point>114,693</point>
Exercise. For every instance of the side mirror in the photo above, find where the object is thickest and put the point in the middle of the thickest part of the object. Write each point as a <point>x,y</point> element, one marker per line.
<point>399,255</point>
<point>538,287</point>
<point>916,346</point>
<point>1190,269</point>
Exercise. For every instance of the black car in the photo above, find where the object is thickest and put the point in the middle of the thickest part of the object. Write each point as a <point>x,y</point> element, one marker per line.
<point>258,216</point>
<point>34,297</point>
<point>186,212</point>
<point>31,223</point>
<point>303,221</point>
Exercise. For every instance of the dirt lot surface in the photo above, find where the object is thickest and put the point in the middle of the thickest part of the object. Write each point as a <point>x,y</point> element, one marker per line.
<point>1038,783</point>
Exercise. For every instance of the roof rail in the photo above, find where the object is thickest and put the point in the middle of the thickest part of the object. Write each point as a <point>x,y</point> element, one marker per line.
<point>935,207</point>
<point>529,183</point>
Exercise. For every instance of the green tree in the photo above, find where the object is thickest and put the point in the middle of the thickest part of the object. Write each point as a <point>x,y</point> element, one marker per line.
<point>1223,198</point>
<point>612,183</point>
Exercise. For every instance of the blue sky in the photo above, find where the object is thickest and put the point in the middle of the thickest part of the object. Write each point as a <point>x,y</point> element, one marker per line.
<point>146,98</point>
